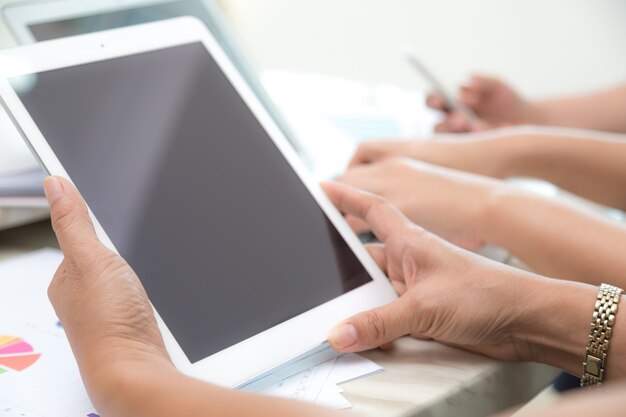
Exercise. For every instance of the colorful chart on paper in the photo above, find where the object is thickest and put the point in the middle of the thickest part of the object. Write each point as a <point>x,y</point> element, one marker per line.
<point>16,354</point>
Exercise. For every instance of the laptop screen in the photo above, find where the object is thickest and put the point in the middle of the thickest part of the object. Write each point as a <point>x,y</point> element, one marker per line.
<point>122,17</point>
<point>125,15</point>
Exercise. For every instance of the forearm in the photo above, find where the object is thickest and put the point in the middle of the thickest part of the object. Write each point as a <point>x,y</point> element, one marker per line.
<point>604,110</point>
<point>555,327</point>
<point>146,390</point>
<point>591,168</point>
<point>556,239</point>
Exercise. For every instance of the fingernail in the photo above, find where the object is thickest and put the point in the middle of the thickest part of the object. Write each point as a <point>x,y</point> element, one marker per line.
<point>343,336</point>
<point>53,189</point>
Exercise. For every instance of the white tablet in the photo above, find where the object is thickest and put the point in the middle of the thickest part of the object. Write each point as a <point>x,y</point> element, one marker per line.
<point>245,260</point>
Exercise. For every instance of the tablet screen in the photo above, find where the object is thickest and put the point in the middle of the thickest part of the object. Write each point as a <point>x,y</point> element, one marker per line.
<point>193,193</point>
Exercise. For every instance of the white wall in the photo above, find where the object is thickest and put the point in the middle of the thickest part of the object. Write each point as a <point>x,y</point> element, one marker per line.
<point>541,46</point>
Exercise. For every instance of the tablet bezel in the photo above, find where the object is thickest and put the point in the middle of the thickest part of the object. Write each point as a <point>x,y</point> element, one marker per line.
<point>239,363</point>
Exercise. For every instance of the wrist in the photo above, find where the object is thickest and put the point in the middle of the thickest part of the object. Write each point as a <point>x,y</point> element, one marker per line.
<point>117,387</point>
<point>553,324</point>
<point>105,371</point>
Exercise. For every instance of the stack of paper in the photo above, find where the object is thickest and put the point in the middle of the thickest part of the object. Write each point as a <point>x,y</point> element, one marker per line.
<point>39,376</point>
<point>320,384</point>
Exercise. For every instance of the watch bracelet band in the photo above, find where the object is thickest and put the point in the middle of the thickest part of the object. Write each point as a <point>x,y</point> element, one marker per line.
<point>600,333</point>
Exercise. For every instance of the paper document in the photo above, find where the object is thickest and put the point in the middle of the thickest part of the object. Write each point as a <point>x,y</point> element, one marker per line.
<point>38,373</point>
<point>39,376</point>
<point>320,384</point>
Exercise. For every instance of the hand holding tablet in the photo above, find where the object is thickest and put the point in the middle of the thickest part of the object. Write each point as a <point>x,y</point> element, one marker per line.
<point>189,179</point>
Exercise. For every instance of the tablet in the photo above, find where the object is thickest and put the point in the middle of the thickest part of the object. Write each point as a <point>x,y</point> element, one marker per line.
<point>246,261</point>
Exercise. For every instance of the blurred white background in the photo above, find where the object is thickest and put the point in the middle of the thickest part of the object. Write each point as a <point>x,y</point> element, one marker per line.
<point>336,67</point>
<point>543,47</point>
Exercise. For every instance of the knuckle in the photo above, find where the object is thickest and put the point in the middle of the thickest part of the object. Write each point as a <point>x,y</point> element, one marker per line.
<point>378,206</point>
<point>415,234</point>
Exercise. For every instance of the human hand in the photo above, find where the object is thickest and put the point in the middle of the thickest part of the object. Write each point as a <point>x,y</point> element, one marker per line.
<point>493,156</point>
<point>114,335</point>
<point>493,101</point>
<point>447,294</point>
<point>98,298</point>
<point>450,203</point>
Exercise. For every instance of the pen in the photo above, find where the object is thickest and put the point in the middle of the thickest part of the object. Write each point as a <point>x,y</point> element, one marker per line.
<point>450,102</point>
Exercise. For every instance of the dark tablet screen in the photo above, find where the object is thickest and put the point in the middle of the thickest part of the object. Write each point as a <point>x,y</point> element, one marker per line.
<point>193,193</point>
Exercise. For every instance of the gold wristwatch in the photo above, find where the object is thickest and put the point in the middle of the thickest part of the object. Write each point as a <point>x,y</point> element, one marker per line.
<point>600,333</point>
